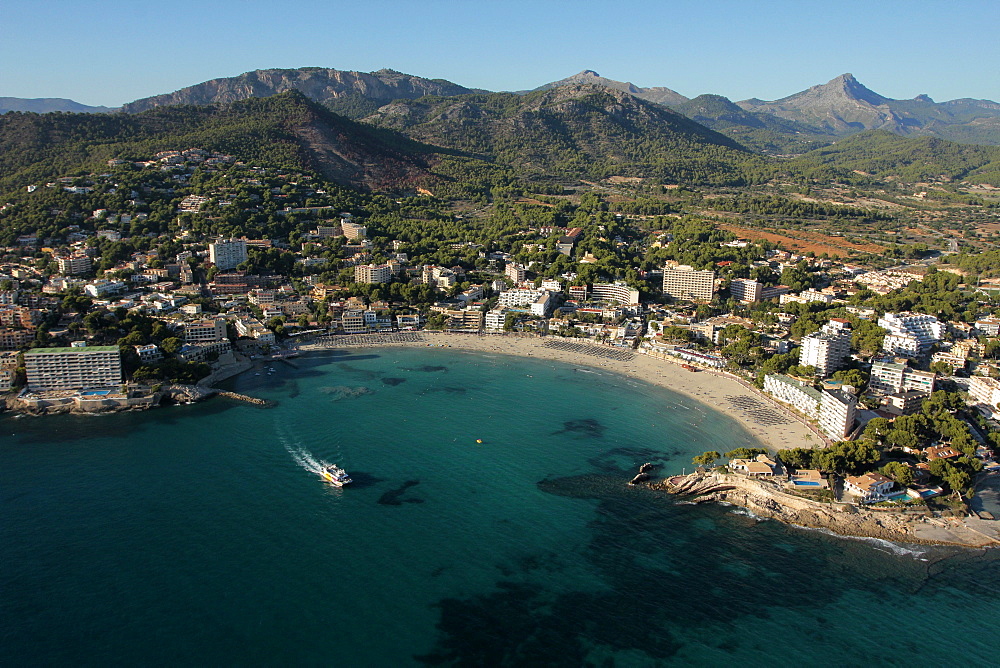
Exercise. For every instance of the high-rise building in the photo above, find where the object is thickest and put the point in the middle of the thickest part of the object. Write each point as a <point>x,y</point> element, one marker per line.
<point>72,368</point>
<point>684,282</point>
<point>827,349</point>
<point>837,412</point>
<point>745,290</point>
<point>228,253</point>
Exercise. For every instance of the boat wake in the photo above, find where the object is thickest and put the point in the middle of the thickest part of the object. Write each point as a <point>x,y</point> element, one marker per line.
<point>307,460</point>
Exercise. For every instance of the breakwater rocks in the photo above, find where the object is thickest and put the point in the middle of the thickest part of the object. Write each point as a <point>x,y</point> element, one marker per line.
<point>245,398</point>
<point>766,499</point>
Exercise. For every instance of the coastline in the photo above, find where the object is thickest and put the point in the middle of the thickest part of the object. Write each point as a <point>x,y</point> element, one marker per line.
<point>705,386</point>
<point>766,499</point>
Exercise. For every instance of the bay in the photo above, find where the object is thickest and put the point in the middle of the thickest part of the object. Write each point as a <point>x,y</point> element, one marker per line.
<point>199,534</point>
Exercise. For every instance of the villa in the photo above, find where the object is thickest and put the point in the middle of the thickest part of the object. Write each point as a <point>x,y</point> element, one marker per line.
<point>869,488</point>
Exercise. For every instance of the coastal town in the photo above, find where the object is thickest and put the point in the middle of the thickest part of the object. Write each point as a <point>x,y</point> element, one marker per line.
<point>873,381</point>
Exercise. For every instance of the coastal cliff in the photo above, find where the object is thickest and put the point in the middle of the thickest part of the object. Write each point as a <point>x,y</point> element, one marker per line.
<point>766,499</point>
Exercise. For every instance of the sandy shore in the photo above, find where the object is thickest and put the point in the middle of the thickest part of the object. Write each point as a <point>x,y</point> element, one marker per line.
<point>708,387</point>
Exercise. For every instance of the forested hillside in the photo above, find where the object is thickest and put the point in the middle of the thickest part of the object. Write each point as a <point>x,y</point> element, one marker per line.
<point>285,130</point>
<point>578,131</point>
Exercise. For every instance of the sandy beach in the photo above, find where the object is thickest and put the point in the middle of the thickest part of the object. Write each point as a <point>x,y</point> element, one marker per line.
<point>772,424</point>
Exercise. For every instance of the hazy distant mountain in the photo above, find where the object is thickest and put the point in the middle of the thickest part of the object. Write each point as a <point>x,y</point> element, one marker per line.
<point>350,93</point>
<point>44,105</point>
<point>844,106</point>
<point>757,130</point>
<point>657,94</point>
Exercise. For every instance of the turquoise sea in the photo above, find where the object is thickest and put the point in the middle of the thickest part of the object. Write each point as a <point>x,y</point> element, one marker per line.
<point>200,535</point>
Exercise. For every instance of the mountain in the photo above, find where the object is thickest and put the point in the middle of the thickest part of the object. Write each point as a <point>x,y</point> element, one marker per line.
<point>44,105</point>
<point>286,130</point>
<point>657,94</point>
<point>579,130</point>
<point>844,106</point>
<point>353,93</point>
<point>757,130</point>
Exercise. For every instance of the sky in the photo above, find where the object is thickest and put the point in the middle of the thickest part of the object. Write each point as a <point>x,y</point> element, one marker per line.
<point>107,53</point>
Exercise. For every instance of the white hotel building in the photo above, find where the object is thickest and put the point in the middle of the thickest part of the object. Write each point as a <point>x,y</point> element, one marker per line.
<point>910,334</point>
<point>684,282</point>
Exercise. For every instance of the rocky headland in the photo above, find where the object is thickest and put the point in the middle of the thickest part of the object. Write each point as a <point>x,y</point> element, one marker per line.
<point>767,499</point>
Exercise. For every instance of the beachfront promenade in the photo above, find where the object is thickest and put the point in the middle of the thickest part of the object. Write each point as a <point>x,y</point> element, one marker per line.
<point>768,421</point>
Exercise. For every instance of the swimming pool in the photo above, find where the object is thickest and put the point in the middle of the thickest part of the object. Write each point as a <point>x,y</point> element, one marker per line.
<point>806,483</point>
<point>95,393</point>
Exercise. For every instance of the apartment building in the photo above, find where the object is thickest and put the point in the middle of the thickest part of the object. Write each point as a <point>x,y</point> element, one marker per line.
<point>516,297</point>
<point>204,331</point>
<point>71,265</point>
<point>910,334</point>
<point>893,377</point>
<point>983,390</point>
<point>827,349</point>
<point>353,231</point>
<point>515,272</point>
<point>73,368</point>
<point>496,319</point>
<point>745,290</point>
<point>796,393</point>
<point>837,413</point>
<point>684,282</point>
<point>228,253</point>
<point>13,339</point>
<point>372,273</point>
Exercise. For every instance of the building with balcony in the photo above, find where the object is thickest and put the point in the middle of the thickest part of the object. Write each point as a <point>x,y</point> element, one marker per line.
<point>74,368</point>
<point>684,282</point>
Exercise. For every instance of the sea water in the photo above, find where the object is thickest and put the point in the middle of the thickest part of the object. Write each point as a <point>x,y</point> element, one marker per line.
<point>488,523</point>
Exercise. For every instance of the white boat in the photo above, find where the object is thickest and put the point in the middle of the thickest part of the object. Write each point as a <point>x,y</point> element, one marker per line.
<point>335,476</point>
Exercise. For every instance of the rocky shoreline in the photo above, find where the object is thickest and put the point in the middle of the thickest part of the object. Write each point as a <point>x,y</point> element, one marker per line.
<point>766,499</point>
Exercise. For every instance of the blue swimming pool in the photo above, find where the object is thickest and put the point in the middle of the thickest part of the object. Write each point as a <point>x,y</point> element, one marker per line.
<point>806,483</point>
<point>95,393</point>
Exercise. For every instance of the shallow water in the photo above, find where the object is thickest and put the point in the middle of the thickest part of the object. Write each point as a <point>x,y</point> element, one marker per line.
<point>202,534</point>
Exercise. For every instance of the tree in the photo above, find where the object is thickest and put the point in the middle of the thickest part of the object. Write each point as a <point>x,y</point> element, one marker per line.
<point>745,453</point>
<point>171,345</point>
<point>707,458</point>
<point>899,472</point>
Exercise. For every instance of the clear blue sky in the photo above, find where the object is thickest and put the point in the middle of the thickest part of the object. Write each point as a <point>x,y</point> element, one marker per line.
<point>106,53</point>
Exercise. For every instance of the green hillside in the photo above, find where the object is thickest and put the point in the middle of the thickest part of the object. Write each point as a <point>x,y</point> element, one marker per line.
<point>574,131</point>
<point>284,130</point>
<point>884,154</point>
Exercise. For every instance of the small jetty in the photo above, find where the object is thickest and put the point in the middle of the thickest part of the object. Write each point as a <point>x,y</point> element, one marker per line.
<point>245,398</point>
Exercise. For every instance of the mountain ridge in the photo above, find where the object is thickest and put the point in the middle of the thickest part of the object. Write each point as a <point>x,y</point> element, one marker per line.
<point>322,85</point>
<point>658,94</point>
